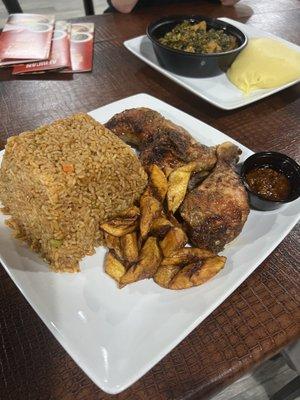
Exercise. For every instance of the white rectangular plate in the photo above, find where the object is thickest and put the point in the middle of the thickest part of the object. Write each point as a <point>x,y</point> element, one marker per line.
<point>116,335</point>
<point>217,90</point>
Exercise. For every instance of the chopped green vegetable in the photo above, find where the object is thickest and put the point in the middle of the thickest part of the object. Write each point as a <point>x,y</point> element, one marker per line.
<point>196,38</point>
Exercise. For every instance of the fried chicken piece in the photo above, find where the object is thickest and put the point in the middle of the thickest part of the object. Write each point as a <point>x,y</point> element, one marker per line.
<point>216,211</point>
<point>159,140</point>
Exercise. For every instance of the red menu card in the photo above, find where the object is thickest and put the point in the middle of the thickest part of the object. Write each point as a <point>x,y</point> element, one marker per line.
<point>59,55</point>
<point>26,37</point>
<point>81,47</point>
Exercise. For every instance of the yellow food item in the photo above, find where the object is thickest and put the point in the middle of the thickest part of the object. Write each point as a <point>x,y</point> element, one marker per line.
<point>178,184</point>
<point>198,273</point>
<point>149,260</point>
<point>264,64</point>
<point>174,240</point>
<point>113,243</point>
<point>127,222</point>
<point>113,267</point>
<point>150,209</point>
<point>130,247</point>
<point>159,182</point>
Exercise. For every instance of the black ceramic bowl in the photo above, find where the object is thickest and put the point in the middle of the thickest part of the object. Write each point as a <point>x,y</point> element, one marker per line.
<point>193,64</point>
<point>279,162</point>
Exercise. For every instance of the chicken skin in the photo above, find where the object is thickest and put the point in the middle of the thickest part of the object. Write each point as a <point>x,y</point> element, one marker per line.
<point>159,140</point>
<point>215,209</point>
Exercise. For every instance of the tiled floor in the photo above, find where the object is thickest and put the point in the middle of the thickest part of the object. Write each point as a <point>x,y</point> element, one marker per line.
<point>262,383</point>
<point>271,375</point>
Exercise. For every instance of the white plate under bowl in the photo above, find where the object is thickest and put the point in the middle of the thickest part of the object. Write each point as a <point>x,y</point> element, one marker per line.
<point>116,335</point>
<point>217,90</point>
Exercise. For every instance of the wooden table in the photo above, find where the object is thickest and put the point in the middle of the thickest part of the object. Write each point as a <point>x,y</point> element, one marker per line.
<point>258,319</point>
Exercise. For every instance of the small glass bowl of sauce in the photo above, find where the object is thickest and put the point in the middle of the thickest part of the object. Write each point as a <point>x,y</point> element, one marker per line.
<point>271,179</point>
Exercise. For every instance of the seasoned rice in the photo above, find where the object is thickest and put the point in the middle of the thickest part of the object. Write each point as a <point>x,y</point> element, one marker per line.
<point>60,181</point>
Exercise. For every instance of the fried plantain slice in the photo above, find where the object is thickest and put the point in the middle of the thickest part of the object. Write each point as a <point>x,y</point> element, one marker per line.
<point>174,240</point>
<point>113,267</point>
<point>177,260</point>
<point>125,223</point>
<point>120,226</point>
<point>182,279</point>
<point>150,209</point>
<point>149,261</point>
<point>165,274</point>
<point>129,246</point>
<point>178,183</point>
<point>131,212</point>
<point>159,182</point>
<point>210,267</point>
<point>197,273</point>
<point>160,227</point>
<point>186,255</point>
<point>113,243</point>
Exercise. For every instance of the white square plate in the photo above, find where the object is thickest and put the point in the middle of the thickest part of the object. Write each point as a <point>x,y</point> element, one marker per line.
<point>217,90</point>
<point>116,335</point>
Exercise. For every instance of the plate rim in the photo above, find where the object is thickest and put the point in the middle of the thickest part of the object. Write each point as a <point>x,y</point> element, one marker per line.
<point>112,388</point>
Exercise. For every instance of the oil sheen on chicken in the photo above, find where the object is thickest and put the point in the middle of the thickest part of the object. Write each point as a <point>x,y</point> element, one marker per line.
<point>216,207</point>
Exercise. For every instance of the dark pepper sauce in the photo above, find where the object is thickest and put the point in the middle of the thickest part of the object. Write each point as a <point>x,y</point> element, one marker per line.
<point>268,183</point>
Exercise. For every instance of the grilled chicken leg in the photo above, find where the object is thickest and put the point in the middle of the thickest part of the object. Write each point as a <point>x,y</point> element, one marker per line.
<point>216,211</point>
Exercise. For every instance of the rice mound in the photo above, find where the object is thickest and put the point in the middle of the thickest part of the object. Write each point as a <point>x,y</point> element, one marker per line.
<point>60,181</point>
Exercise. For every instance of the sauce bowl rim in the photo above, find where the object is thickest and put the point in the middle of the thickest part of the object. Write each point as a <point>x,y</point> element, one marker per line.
<point>261,154</point>
<point>154,24</point>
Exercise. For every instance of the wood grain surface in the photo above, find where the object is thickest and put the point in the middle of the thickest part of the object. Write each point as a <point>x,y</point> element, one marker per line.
<point>259,318</point>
